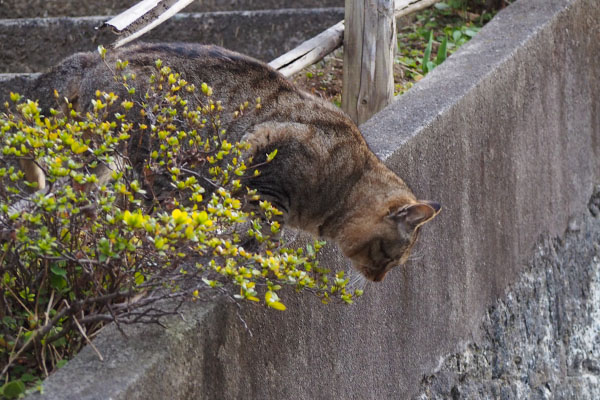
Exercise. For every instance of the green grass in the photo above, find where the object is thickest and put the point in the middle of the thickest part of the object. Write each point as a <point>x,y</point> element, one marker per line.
<point>425,41</point>
<point>435,34</point>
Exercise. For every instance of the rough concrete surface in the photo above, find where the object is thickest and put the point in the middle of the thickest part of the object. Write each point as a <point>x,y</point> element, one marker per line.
<point>68,8</point>
<point>541,340</point>
<point>35,44</point>
<point>506,135</point>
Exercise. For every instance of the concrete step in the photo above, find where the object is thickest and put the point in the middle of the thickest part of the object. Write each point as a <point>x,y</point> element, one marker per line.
<point>35,44</point>
<point>10,9</point>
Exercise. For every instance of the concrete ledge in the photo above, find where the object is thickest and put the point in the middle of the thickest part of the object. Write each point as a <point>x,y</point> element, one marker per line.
<point>10,9</point>
<point>33,45</point>
<point>506,134</point>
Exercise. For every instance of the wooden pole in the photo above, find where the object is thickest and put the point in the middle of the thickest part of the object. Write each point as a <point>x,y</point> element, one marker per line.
<point>318,47</point>
<point>369,44</point>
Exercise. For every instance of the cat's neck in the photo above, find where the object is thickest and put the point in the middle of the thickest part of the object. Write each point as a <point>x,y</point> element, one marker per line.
<point>359,199</point>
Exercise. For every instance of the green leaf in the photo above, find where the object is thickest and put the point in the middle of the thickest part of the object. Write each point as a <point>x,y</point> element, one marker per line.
<point>7,279</point>
<point>27,377</point>
<point>277,305</point>
<point>442,51</point>
<point>13,389</point>
<point>57,282</point>
<point>456,35</point>
<point>471,32</point>
<point>15,97</point>
<point>56,270</point>
<point>139,278</point>
<point>442,6</point>
<point>272,155</point>
<point>273,301</point>
<point>427,53</point>
<point>102,51</point>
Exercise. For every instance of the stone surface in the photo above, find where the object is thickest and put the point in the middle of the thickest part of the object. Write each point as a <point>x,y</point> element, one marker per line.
<point>34,45</point>
<point>151,363</point>
<point>506,135</point>
<point>541,340</point>
<point>17,83</point>
<point>11,9</point>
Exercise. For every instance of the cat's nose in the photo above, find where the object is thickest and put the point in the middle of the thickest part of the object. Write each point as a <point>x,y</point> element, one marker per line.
<point>379,276</point>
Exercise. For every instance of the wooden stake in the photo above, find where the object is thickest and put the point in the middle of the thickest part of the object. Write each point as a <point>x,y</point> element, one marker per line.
<point>314,49</point>
<point>369,44</point>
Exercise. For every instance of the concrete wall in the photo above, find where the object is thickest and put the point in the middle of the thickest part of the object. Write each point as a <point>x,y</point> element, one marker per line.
<point>35,44</point>
<point>56,8</point>
<point>506,135</point>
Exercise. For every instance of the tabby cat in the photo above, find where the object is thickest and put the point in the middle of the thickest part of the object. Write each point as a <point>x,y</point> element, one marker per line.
<point>324,177</point>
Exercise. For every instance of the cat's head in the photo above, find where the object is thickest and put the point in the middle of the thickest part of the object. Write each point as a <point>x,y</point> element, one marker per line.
<point>387,241</point>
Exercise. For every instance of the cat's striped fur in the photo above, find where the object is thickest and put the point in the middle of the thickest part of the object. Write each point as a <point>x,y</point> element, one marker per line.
<point>324,178</point>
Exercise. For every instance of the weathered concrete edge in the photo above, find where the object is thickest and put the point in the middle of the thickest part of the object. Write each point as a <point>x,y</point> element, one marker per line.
<point>402,126</point>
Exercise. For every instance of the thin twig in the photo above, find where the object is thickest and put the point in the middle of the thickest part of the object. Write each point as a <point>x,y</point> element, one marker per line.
<point>86,338</point>
<point>43,356</point>
<point>47,313</point>
<point>40,332</point>
<point>110,310</point>
<point>18,300</point>
<point>13,356</point>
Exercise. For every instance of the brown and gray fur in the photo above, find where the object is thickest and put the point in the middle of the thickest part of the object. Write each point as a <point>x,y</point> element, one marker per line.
<point>324,177</point>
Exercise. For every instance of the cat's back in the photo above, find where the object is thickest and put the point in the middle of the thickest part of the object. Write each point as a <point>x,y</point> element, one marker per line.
<point>233,76</point>
<point>237,78</point>
<point>208,63</point>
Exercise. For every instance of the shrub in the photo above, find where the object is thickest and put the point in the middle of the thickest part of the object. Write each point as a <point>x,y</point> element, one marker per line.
<point>110,240</point>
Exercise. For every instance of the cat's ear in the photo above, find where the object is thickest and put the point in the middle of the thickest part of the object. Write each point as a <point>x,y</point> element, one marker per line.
<point>417,214</point>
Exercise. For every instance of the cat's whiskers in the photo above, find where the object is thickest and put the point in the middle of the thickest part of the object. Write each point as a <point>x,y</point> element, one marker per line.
<point>357,280</point>
<point>289,236</point>
<point>416,255</point>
